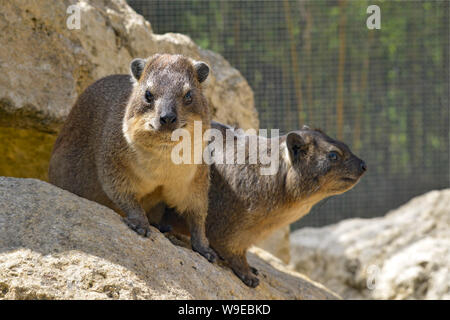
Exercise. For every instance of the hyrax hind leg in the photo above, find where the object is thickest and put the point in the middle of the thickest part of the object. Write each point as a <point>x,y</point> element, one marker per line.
<point>238,263</point>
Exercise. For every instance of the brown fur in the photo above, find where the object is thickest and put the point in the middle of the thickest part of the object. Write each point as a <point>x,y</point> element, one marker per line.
<point>114,148</point>
<point>245,207</point>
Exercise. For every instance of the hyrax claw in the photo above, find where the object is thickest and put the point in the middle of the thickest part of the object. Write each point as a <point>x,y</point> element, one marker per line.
<point>249,280</point>
<point>208,253</point>
<point>139,227</point>
<point>254,271</point>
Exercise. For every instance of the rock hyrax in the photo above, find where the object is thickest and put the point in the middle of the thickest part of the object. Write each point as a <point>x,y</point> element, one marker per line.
<point>116,144</point>
<point>246,207</point>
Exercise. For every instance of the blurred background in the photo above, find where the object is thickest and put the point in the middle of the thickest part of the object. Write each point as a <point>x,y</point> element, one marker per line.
<point>383,92</point>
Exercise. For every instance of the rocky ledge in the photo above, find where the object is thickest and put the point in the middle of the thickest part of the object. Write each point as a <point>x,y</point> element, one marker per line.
<point>56,245</point>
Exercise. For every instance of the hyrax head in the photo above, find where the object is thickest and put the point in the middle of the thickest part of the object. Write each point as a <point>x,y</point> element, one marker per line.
<point>318,164</point>
<point>166,96</point>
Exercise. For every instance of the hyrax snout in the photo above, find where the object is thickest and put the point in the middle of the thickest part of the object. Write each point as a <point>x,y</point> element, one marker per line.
<point>246,206</point>
<point>116,144</point>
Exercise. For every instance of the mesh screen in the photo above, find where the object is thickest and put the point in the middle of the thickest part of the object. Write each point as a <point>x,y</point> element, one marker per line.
<point>383,92</point>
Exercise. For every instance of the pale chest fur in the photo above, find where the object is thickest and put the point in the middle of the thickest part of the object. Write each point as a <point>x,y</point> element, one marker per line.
<point>156,171</point>
<point>261,224</point>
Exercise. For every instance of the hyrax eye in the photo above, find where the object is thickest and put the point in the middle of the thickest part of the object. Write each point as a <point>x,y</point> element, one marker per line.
<point>149,96</point>
<point>333,156</point>
<point>188,97</point>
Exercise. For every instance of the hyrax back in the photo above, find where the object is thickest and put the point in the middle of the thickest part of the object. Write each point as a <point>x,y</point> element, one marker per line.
<point>246,206</point>
<point>115,147</point>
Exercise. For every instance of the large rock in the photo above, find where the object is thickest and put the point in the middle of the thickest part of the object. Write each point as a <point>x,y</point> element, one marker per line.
<point>55,245</point>
<point>404,255</point>
<point>44,66</point>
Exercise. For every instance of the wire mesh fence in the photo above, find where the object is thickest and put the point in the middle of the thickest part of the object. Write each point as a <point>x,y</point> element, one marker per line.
<point>384,92</point>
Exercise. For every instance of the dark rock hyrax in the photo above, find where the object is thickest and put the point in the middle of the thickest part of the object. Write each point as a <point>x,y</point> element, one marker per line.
<point>245,206</point>
<point>116,144</point>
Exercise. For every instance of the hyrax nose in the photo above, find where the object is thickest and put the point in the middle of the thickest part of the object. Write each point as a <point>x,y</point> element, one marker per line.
<point>167,118</point>
<point>363,166</point>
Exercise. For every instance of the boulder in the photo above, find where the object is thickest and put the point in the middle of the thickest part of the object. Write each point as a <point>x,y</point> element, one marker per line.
<point>403,255</point>
<point>56,245</point>
<point>44,66</point>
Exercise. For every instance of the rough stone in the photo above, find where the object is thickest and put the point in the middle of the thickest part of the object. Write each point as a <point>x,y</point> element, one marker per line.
<point>55,245</point>
<point>403,255</point>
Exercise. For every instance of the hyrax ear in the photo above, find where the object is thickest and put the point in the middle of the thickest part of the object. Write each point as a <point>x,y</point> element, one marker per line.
<point>305,127</point>
<point>295,144</point>
<point>202,70</point>
<point>137,67</point>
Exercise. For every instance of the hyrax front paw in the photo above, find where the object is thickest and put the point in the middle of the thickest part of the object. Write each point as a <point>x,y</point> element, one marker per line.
<point>142,227</point>
<point>206,252</point>
<point>249,279</point>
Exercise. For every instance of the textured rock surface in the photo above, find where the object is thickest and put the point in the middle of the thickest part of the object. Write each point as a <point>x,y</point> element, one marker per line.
<point>404,255</point>
<point>55,245</point>
<point>44,66</point>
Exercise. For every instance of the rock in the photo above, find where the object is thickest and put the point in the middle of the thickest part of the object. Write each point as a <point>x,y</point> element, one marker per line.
<point>55,245</point>
<point>278,244</point>
<point>403,255</point>
<point>44,66</point>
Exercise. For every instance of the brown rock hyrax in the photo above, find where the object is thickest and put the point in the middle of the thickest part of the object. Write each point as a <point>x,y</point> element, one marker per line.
<point>116,144</point>
<point>246,206</point>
